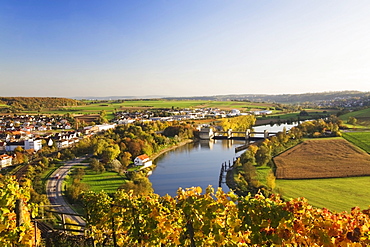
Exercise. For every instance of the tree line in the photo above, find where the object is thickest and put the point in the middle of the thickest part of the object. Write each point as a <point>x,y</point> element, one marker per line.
<point>36,103</point>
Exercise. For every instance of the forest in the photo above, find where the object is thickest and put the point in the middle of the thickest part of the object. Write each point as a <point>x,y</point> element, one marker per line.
<point>18,104</point>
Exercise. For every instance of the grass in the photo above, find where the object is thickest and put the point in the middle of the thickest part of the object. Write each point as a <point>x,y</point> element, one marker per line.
<point>107,181</point>
<point>338,194</point>
<point>364,113</point>
<point>360,139</point>
<point>262,172</point>
<point>362,116</point>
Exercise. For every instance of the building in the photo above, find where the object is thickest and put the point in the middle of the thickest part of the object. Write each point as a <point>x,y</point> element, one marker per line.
<point>143,160</point>
<point>5,160</point>
<point>33,144</point>
<point>26,144</point>
<point>98,128</point>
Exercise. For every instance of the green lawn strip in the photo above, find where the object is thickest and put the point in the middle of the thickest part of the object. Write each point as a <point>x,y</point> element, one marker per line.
<point>107,181</point>
<point>262,173</point>
<point>338,194</point>
<point>360,139</point>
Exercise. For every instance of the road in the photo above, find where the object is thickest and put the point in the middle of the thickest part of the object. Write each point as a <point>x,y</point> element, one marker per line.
<point>54,191</point>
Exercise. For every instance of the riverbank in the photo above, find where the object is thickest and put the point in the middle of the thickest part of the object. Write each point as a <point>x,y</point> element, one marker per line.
<point>156,155</point>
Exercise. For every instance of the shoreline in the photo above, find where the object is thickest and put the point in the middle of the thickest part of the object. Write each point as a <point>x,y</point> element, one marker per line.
<point>156,155</point>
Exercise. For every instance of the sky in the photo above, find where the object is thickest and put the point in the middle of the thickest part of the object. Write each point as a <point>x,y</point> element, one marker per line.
<point>179,48</point>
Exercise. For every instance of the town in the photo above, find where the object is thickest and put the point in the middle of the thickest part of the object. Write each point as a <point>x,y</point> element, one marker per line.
<point>32,132</point>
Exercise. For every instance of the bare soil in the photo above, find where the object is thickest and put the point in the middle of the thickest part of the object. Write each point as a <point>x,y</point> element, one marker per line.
<point>322,159</point>
<point>88,118</point>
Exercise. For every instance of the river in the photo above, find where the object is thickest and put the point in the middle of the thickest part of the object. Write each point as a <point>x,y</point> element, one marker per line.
<point>198,164</point>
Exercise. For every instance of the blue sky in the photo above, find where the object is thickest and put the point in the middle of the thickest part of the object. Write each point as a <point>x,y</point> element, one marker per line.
<point>182,48</point>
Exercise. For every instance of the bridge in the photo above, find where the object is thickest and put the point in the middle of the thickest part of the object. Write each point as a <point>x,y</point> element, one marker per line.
<point>207,133</point>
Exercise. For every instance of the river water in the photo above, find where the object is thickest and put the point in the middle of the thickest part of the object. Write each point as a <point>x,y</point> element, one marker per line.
<point>198,164</point>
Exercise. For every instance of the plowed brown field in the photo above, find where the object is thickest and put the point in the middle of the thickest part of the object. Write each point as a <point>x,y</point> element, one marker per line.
<point>330,158</point>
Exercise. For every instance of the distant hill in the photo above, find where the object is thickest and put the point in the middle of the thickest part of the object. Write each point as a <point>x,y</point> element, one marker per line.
<point>279,98</point>
<point>36,103</point>
<point>283,98</point>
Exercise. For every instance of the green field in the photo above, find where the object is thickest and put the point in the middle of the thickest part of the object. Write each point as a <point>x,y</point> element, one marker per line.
<point>339,194</point>
<point>356,114</point>
<point>111,106</point>
<point>107,181</point>
<point>362,116</point>
<point>360,139</point>
<point>313,114</point>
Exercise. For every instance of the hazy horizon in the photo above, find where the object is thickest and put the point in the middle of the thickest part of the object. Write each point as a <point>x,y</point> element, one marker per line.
<point>182,48</point>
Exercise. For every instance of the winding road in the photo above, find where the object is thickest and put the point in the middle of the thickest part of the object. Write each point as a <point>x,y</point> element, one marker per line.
<point>54,191</point>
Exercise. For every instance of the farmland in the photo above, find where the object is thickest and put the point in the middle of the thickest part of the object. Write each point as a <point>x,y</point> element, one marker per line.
<point>92,108</point>
<point>110,106</point>
<point>340,165</point>
<point>326,158</point>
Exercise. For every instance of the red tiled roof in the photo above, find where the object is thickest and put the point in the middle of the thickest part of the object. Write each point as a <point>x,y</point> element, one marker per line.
<point>143,157</point>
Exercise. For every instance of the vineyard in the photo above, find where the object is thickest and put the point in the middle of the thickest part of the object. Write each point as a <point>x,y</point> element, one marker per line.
<point>191,218</point>
<point>219,219</point>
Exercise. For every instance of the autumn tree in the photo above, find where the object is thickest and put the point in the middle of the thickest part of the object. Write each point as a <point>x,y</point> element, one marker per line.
<point>97,166</point>
<point>352,120</point>
<point>138,183</point>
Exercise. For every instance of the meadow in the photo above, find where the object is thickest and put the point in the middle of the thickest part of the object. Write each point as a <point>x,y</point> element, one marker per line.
<point>339,194</point>
<point>362,116</point>
<point>360,139</point>
<point>107,181</point>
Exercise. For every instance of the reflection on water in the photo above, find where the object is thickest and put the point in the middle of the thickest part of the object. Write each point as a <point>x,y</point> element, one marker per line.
<point>194,164</point>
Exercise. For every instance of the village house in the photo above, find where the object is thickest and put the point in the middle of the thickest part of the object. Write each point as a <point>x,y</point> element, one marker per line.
<point>5,160</point>
<point>143,160</point>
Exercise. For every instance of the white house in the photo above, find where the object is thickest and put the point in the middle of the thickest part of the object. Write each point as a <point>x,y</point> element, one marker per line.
<point>5,160</point>
<point>142,160</point>
<point>33,144</point>
<point>98,128</point>
<point>62,143</point>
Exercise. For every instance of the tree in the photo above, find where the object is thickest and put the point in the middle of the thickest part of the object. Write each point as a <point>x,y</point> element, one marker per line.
<point>110,153</point>
<point>271,180</point>
<point>125,159</point>
<point>103,117</point>
<point>352,120</point>
<point>139,184</point>
<point>263,155</point>
<point>97,166</point>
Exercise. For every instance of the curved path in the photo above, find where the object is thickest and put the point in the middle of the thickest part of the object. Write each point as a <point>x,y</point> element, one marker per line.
<point>54,191</point>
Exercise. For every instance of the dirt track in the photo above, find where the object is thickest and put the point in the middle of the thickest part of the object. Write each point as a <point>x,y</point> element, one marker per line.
<point>322,159</point>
